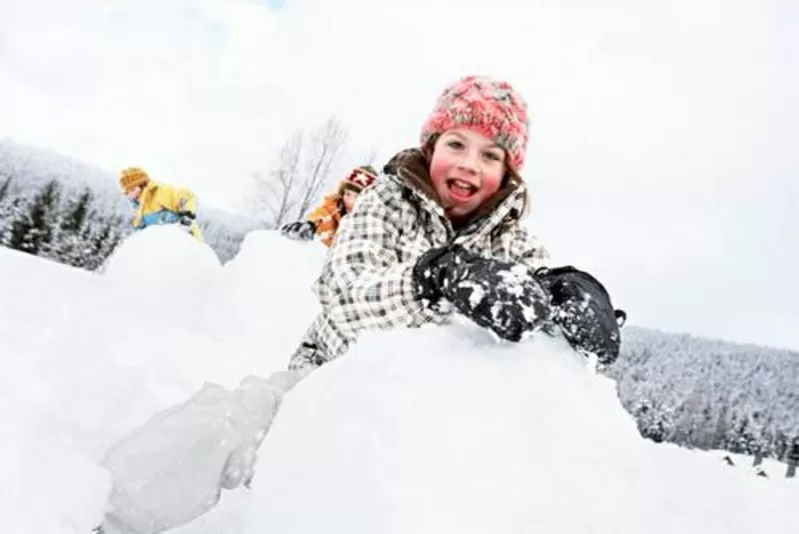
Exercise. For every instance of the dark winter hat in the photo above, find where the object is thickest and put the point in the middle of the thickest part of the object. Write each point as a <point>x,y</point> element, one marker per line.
<point>359,179</point>
<point>485,105</point>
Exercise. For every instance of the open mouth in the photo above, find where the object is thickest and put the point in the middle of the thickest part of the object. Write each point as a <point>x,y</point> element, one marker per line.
<point>459,190</point>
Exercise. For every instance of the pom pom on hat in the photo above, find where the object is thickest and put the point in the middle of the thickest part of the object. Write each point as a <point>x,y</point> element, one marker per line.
<point>488,106</point>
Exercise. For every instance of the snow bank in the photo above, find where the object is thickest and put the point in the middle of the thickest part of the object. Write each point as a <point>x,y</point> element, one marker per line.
<point>263,301</point>
<point>50,481</point>
<point>163,272</point>
<point>161,255</point>
<point>84,357</point>
<point>436,429</point>
<point>768,467</point>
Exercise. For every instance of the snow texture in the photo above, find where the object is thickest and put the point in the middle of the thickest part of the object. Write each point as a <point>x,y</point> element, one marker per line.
<point>505,298</point>
<point>437,429</point>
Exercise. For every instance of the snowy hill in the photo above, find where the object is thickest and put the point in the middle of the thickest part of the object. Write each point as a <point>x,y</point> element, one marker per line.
<point>433,430</point>
<point>30,169</point>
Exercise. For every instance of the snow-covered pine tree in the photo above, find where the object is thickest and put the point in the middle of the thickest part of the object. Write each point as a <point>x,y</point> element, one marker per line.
<point>17,224</point>
<point>5,185</point>
<point>100,238</point>
<point>33,233</point>
<point>793,458</point>
<point>69,247</point>
<point>7,211</point>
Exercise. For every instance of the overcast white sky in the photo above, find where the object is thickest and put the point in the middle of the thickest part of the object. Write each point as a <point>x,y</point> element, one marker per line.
<point>663,155</point>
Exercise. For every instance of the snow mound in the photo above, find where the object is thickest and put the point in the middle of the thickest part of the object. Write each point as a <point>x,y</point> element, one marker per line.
<point>435,430</point>
<point>165,273</point>
<point>85,358</point>
<point>50,481</point>
<point>264,296</point>
<point>160,255</point>
<point>49,484</point>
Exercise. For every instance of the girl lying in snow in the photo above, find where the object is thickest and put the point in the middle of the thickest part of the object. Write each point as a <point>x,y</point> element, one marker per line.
<point>324,221</point>
<point>439,233</point>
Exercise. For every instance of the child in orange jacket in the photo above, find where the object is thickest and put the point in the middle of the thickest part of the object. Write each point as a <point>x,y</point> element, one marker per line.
<point>324,220</point>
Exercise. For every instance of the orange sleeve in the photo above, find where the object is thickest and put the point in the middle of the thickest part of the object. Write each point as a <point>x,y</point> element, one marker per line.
<point>326,209</point>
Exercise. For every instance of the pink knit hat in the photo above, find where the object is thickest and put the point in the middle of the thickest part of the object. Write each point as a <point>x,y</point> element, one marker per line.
<point>491,107</point>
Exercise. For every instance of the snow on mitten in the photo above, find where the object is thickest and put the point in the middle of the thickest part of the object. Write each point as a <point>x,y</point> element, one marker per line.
<point>429,270</point>
<point>501,296</point>
<point>300,230</point>
<point>581,307</point>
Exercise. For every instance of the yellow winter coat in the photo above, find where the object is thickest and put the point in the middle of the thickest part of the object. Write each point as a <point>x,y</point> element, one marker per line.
<point>164,204</point>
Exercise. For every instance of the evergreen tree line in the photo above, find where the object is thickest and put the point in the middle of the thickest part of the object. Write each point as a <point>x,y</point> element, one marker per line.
<point>57,223</point>
<point>79,227</point>
<point>710,394</point>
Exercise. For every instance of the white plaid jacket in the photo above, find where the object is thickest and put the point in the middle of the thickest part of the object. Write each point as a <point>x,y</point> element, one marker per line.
<point>366,280</point>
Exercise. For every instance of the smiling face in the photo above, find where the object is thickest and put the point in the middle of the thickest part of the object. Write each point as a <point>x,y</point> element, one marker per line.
<point>466,169</point>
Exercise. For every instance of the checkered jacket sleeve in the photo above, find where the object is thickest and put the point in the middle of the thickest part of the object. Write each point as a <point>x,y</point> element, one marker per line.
<point>364,284</point>
<point>526,248</point>
<point>518,245</point>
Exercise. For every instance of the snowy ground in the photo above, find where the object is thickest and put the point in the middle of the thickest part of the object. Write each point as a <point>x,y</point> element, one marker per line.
<point>768,467</point>
<point>433,430</point>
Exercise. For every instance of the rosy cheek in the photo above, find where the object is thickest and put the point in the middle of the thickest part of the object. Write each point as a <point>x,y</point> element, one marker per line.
<point>439,168</point>
<point>491,183</point>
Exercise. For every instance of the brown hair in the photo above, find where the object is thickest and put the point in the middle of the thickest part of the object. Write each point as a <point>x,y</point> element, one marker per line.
<point>348,186</point>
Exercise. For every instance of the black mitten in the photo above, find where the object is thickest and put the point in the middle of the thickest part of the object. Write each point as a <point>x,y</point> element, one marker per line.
<point>300,230</point>
<point>433,270</point>
<point>186,218</point>
<point>504,297</point>
<point>581,307</point>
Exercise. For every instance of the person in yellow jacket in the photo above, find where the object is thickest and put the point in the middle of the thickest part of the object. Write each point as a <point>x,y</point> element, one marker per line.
<point>324,220</point>
<point>158,203</point>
